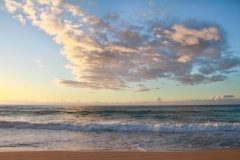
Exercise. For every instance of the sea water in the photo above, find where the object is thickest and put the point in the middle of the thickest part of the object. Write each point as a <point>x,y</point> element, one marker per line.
<point>119,128</point>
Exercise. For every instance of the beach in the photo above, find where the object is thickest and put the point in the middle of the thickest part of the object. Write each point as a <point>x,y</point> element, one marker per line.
<point>222,154</point>
<point>119,80</point>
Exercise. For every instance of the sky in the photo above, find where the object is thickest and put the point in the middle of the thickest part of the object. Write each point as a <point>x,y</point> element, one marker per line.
<point>120,52</point>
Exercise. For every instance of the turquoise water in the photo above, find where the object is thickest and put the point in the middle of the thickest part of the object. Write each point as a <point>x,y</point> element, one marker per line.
<point>119,128</point>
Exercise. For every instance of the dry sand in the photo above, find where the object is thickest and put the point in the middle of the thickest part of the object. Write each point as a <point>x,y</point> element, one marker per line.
<point>223,154</point>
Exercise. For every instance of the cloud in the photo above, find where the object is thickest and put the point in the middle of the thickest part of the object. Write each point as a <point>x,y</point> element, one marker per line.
<point>42,2</point>
<point>92,3</point>
<point>189,36</point>
<point>70,83</point>
<point>94,21</point>
<point>199,78</point>
<point>214,100</point>
<point>87,85</point>
<point>142,89</point>
<point>222,97</point>
<point>111,52</point>
<point>157,29</point>
<point>20,18</point>
<point>41,66</point>
<point>2,7</point>
<point>140,85</point>
<point>12,5</point>
<point>29,9</point>
<point>113,17</point>
<point>158,99</point>
<point>71,7</point>
<point>151,2</point>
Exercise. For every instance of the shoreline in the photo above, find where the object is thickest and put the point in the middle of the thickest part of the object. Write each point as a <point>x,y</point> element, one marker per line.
<point>219,154</point>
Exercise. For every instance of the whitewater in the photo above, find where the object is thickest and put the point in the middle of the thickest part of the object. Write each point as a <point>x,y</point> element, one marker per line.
<point>119,128</point>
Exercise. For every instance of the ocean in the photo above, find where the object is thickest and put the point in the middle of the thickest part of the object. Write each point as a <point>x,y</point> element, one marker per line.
<point>119,128</point>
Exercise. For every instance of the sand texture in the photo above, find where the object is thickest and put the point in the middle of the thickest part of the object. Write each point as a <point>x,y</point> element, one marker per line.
<point>223,154</point>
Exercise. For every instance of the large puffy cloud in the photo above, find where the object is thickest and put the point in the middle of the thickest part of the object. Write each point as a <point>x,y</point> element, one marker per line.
<point>110,52</point>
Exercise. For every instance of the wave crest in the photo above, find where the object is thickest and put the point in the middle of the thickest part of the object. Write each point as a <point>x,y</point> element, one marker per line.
<point>126,127</point>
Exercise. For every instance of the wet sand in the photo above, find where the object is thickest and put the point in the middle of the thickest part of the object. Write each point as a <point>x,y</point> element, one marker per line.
<point>222,154</point>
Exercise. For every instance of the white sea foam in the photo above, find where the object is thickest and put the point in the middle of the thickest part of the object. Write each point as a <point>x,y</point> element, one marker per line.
<point>127,127</point>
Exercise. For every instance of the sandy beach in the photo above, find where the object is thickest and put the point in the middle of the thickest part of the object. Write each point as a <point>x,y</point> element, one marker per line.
<point>223,154</point>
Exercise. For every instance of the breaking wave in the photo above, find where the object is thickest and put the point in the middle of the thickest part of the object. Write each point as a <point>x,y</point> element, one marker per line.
<point>125,127</point>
